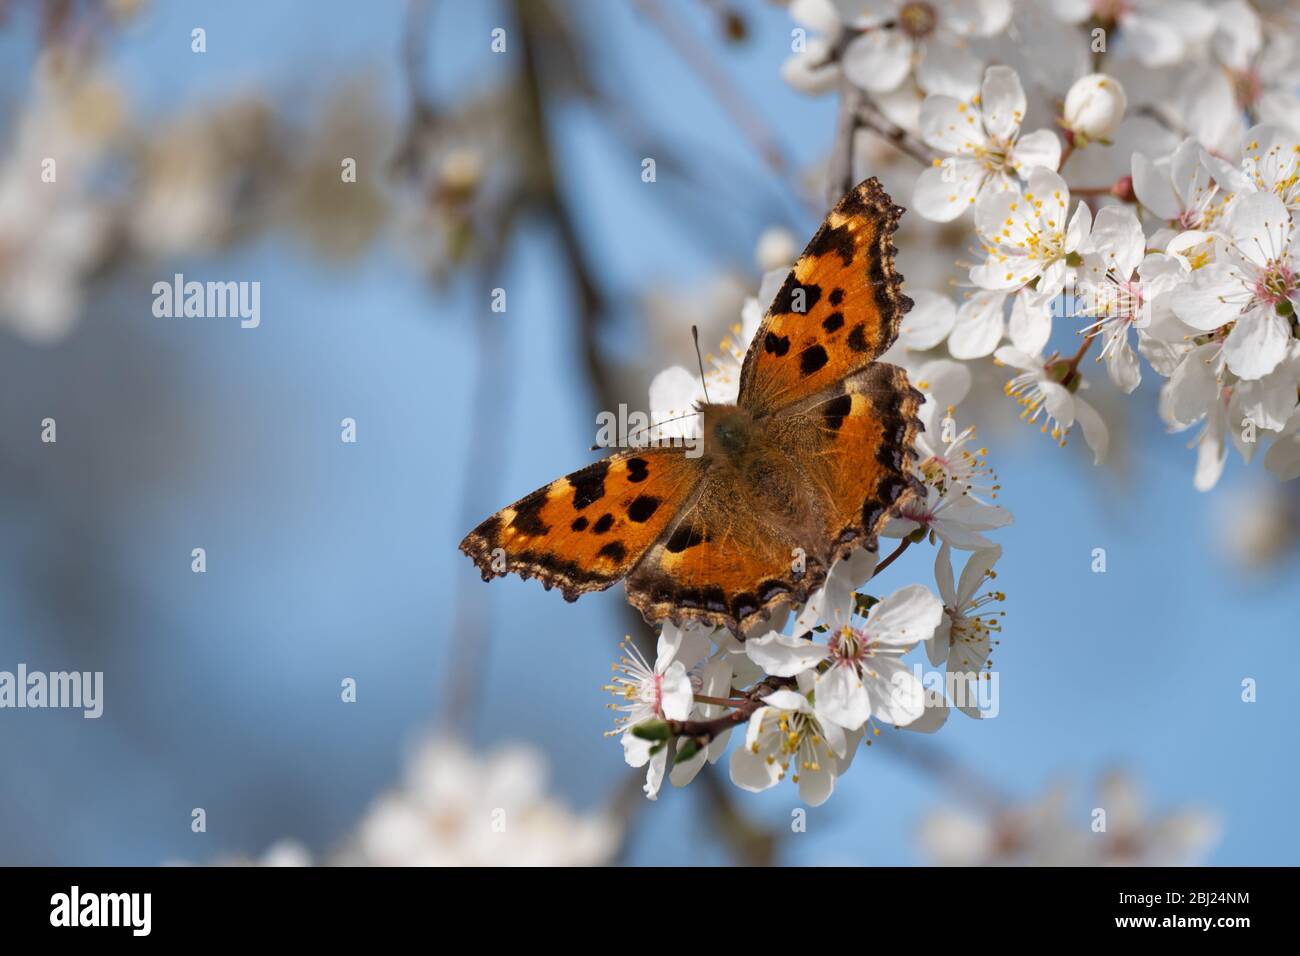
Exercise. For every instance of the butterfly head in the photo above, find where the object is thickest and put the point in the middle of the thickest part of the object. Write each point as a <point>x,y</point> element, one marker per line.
<point>729,430</point>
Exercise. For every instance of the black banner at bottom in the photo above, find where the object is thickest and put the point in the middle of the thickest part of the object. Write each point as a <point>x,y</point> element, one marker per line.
<point>332,904</point>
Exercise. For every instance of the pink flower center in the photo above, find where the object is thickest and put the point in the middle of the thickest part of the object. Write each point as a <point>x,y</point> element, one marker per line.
<point>850,646</point>
<point>1275,284</point>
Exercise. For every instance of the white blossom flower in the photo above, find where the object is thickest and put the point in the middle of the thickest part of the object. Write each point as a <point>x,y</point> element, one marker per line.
<point>1049,390</point>
<point>1116,287</point>
<point>1259,67</point>
<point>787,730</point>
<point>1042,832</point>
<point>1132,838</point>
<point>1157,32</point>
<point>985,152</point>
<point>867,677</point>
<point>1028,238</point>
<point>1180,188</point>
<point>1094,108</point>
<point>1033,833</point>
<point>951,516</point>
<point>443,815</point>
<point>963,640</point>
<point>1247,297</point>
<point>957,483</point>
<point>1270,163</point>
<point>898,34</point>
<point>665,691</point>
<point>1203,390</point>
<point>946,464</point>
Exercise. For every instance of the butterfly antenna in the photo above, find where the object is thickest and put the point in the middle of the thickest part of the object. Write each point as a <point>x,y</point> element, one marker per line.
<point>695,334</point>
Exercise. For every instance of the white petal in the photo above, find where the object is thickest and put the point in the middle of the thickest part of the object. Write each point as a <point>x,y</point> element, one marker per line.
<point>907,616</point>
<point>1152,186</point>
<point>1002,102</point>
<point>945,191</point>
<point>788,700</point>
<point>782,655</point>
<point>678,697</point>
<point>815,786</point>
<point>951,125</point>
<point>897,696</point>
<point>978,326</point>
<point>947,68</point>
<point>1039,148</point>
<point>752,772</point>
<point>929,322</point>
<point>1260,226</point>
<point>1257,343</point>
<point>1193,387</point>
<point>1030,324</point>
<point>1212,298</point>
<point>1094,429</point>
<point>972,576</point>
<point>878,60</point>
<point>943,576</point>
<point>636,751</point>
<point>841,697</point>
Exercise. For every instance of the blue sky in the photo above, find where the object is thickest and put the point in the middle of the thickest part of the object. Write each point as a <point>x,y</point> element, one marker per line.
<point>328,559</point>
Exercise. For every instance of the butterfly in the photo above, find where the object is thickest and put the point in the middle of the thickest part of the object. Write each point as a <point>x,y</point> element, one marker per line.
<point>805,467</point>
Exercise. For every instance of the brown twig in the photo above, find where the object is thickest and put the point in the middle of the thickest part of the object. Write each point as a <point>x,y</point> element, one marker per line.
<point>893,556</point>
<point>839,171</point>
<point>871,118</point>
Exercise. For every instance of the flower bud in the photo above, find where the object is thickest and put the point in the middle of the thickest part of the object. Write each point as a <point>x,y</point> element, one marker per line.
<point>1094,108</point>
<point>776,249</point>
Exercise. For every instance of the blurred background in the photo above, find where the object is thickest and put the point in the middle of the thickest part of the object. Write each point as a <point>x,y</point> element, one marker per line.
<point>328,560</point>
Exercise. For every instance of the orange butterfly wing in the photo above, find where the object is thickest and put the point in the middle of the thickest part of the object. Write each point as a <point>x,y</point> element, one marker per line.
<point>839,309</point>
<point>855,443</point>
<point>726,560</point>
<point>585,531</point>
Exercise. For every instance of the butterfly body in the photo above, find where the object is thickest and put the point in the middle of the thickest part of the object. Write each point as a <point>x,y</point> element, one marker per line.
<point>804,467</point>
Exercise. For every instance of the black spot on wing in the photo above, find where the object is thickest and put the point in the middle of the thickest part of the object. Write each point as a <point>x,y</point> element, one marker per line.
<point>834,411</point>
<point>614,551</point>
<point>836,296</point>
<point>528,515</point>
<point>638,470</point>
<point>777,345</point>
<point>603,524</point>
<point>784,303</point>
<point>685,536</point>
<point>579,524</point>
<point>838,240</point>
<point>589,484</point>
<point>857,338</point>
<point>833,322</point>
<point>643,508</point>
<point>812,359</point>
